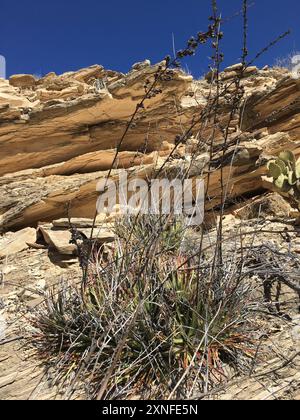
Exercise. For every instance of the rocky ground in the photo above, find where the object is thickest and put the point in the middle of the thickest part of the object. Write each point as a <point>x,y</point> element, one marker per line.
<point>24,279</point>
<point>57,140</point>
<point>26,275</point>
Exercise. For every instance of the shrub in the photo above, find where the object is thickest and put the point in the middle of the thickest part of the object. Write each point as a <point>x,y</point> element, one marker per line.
<point>148,324</point>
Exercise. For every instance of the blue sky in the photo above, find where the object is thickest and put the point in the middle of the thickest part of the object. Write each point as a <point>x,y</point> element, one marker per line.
<point>38,36</point>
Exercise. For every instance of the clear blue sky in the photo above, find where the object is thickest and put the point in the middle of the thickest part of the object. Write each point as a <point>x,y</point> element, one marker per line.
<point>38,36</point>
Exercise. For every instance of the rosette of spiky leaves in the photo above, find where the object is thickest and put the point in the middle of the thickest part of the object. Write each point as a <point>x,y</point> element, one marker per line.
<point>285,171</point>
<point>149,322</point>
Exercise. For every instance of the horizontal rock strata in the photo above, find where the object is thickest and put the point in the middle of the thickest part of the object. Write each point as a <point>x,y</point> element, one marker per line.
<point>58,135</point>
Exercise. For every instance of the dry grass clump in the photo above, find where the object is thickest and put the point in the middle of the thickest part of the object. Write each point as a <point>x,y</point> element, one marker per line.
<point>151,321</point>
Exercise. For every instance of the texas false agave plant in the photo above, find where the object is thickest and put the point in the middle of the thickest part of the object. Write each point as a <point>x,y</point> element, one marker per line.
<point>285,171</point>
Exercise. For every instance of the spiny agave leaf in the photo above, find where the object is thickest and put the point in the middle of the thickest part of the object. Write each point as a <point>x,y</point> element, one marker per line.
<point>287,156</point>
<point>274,169</point>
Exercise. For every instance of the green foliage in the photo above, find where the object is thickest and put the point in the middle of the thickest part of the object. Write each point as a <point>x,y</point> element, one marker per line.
<point>285,171</point>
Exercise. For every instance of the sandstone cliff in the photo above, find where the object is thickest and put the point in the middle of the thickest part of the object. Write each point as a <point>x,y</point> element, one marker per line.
<point>58,134</point>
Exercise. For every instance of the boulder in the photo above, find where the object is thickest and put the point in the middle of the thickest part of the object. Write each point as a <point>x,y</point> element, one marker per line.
<point>78,222</point>
<point>233,68</point>
<point>141,65</point>
<point>58,240</point>
<point>58,237</point>
<point>22,81</point>
<point>17,242</point>
<point>269,205</point>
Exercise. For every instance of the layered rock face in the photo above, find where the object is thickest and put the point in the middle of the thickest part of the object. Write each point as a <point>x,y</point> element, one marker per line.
<point>58,134</point>
<point>58,138</point>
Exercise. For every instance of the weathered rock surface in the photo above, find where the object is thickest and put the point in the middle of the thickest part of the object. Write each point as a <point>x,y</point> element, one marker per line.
<point>22,81</point>
<point>17,242</point>
<point>24,277</point>
<point>58,136</point>
<point>269,205</point>
<point>58,235</point>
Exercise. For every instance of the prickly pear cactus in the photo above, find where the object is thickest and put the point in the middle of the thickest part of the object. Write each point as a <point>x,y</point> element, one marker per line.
<point>285,171</point>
